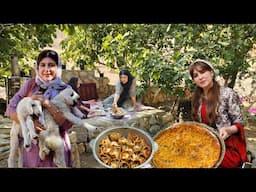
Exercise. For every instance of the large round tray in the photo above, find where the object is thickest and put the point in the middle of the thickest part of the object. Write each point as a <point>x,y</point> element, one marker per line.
<point>94,144</point>
<point>188,145</point>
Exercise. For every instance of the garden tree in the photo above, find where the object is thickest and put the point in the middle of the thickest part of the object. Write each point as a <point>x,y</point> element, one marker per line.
<point>83,43</point>
<point>110,44</point>
<point>160,54</point>
<point>23,41</point>
<point>118,45</point>
<point>227,46</point>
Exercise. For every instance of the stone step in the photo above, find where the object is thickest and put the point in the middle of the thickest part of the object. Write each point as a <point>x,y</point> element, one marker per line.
<point>4,126</point>
<point>5,136</point>
<point>4,149</point>
<point>4,142</point>
<point>4,155</point>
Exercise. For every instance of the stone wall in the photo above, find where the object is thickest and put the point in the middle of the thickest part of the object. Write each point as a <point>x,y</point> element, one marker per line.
<point>180,107</point>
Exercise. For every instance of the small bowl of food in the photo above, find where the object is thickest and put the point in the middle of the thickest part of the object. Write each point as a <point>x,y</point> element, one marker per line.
<point>117,112</point>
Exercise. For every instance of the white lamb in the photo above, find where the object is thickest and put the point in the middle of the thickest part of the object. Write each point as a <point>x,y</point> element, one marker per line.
<point>24,132</point>
<point>49,139</point>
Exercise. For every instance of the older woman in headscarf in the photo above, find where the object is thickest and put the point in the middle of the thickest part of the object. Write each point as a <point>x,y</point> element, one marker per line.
<point>47,84</point>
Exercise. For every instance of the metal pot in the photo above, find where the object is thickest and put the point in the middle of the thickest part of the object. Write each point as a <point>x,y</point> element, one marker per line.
<point>94,143</point>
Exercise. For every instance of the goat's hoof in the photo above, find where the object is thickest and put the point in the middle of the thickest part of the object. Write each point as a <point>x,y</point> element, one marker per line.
<point>34,141</point>
<point>46,151</point>
<point>41,155</point>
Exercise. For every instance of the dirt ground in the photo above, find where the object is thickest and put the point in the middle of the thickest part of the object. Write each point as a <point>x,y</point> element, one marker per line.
<point>88,161</point>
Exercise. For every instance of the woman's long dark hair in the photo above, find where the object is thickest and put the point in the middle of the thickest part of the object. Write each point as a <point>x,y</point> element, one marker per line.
<point>126,86</point>
<point>73,83</point>
<point>213,100</point>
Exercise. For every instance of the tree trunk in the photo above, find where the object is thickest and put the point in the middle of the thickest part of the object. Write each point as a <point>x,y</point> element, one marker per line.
<point>233,80</point>
<point>15,66</point>
<point>14,80</point>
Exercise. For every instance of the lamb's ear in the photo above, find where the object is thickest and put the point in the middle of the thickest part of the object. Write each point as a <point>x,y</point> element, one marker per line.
<point>29,107</point>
